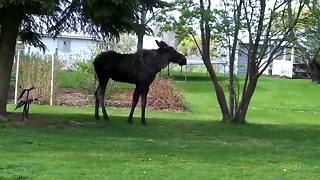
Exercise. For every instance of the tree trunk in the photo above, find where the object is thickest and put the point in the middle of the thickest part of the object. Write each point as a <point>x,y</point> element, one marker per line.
<point>10,24</point>
<point>242,110</point>
<point>141,33</point>
<point>232,93</point>
<point>140,41</point>
<point>219,92</point>
<point>205,40</point>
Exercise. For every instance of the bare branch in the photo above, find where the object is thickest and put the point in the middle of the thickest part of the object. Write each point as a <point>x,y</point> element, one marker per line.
<point>195,41</point>
<point>281,41</point>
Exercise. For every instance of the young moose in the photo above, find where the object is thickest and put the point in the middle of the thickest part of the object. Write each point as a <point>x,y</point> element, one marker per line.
<point>139,69</point>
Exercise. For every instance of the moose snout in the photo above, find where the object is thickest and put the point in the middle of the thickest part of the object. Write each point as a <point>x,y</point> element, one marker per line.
<point>183,62</point>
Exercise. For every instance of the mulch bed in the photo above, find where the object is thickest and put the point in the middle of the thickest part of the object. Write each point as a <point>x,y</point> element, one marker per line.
<point>162,96</point>
<point>74,97</point>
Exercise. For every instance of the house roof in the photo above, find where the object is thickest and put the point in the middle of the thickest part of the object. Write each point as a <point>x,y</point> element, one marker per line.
<point>79,36</point>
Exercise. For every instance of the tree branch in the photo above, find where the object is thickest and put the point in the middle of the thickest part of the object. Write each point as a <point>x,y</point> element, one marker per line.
<point>195,40</point>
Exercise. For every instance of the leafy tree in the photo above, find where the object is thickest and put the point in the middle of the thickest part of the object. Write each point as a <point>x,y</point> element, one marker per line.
<point>233,22</point>
<point>145,19</point>
<point>31,18</point>
<point>188,47</point>
<point>179,19</point>
<point>126,44</point>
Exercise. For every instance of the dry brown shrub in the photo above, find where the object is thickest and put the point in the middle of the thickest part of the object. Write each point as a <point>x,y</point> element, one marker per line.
<point>164,96</point>
<point>35,70</point>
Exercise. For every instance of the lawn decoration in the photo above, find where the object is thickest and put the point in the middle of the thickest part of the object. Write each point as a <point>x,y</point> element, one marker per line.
<point>25,102</point>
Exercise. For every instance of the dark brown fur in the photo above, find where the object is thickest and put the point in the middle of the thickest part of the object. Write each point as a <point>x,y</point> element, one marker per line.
<point>139,69</point>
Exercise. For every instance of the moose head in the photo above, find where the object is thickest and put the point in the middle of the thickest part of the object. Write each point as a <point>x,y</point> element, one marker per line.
<point>175,56</point>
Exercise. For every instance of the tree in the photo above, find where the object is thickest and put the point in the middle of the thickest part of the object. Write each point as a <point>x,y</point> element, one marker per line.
<point>233,22</point>
<point>31,18</point>
<point>126,44</point>
<point>188,47</point>
<point>12,16</point>
<point>144,19</point>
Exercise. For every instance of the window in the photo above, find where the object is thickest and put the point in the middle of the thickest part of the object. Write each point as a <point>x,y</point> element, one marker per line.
<point>288,54</point>
<point>279,54</point>
<point>64,45</point>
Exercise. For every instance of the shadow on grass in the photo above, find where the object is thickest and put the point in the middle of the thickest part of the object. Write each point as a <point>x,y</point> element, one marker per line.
<point>197,77</point>
<point>171,128</point>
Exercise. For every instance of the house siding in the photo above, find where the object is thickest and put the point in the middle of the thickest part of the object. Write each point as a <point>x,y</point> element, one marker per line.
<point>242,63</point>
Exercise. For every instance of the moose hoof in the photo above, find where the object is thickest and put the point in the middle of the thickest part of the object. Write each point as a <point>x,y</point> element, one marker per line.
<point>144,123</point>
<point>106,119</point>
<point>97,117</point>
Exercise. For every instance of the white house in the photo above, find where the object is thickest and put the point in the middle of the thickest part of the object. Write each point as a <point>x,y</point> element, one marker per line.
<point>286,63</point>
<point>67,43</point>
<point>69,47</point>
<point>72,47</point>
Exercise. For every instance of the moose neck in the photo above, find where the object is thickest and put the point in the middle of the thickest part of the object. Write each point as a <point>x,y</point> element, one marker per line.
<point>163,59</point>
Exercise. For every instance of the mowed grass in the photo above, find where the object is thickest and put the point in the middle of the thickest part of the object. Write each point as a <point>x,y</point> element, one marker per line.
<point>280,141</point>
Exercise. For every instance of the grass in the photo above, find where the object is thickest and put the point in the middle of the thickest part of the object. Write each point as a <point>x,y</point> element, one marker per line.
<point>281,140</point>
<point>67,79</point>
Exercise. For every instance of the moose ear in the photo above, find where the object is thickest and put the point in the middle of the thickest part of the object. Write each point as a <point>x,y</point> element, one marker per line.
<point>162,45</point>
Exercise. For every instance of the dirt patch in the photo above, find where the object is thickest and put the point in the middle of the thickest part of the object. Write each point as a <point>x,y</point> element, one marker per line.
<point>72,97</point>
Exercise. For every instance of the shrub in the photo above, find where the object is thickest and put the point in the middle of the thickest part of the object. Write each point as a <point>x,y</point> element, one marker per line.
<point>86,79</point>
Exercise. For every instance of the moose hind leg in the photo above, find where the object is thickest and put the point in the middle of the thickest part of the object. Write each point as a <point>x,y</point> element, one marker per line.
<point>97,103</point>
<point>144,96</point>
<point>101,91</point>
<point>135,100</point>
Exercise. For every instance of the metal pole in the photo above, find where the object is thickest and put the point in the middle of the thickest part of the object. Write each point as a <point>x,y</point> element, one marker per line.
<point>185,73</point>
<point>17,79</point>
<point>52,74</point>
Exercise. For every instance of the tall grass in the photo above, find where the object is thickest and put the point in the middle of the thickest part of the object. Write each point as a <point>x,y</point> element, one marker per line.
<point>35,70</point>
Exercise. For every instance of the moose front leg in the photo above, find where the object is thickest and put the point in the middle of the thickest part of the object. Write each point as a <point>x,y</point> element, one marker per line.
<point>135,100</point>
<point>144,96</point>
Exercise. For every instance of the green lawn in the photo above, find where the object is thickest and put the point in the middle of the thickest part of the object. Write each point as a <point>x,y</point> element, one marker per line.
<point>280,141</point>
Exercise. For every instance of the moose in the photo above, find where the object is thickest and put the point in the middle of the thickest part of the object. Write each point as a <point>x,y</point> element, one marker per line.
<point>139,68</point>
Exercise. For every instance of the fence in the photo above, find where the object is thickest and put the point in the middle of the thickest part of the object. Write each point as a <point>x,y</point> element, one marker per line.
<point>52,62</point>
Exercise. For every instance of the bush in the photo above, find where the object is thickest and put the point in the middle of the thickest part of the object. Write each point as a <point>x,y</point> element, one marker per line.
<point>85,77</point>
<point>86,80</point>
